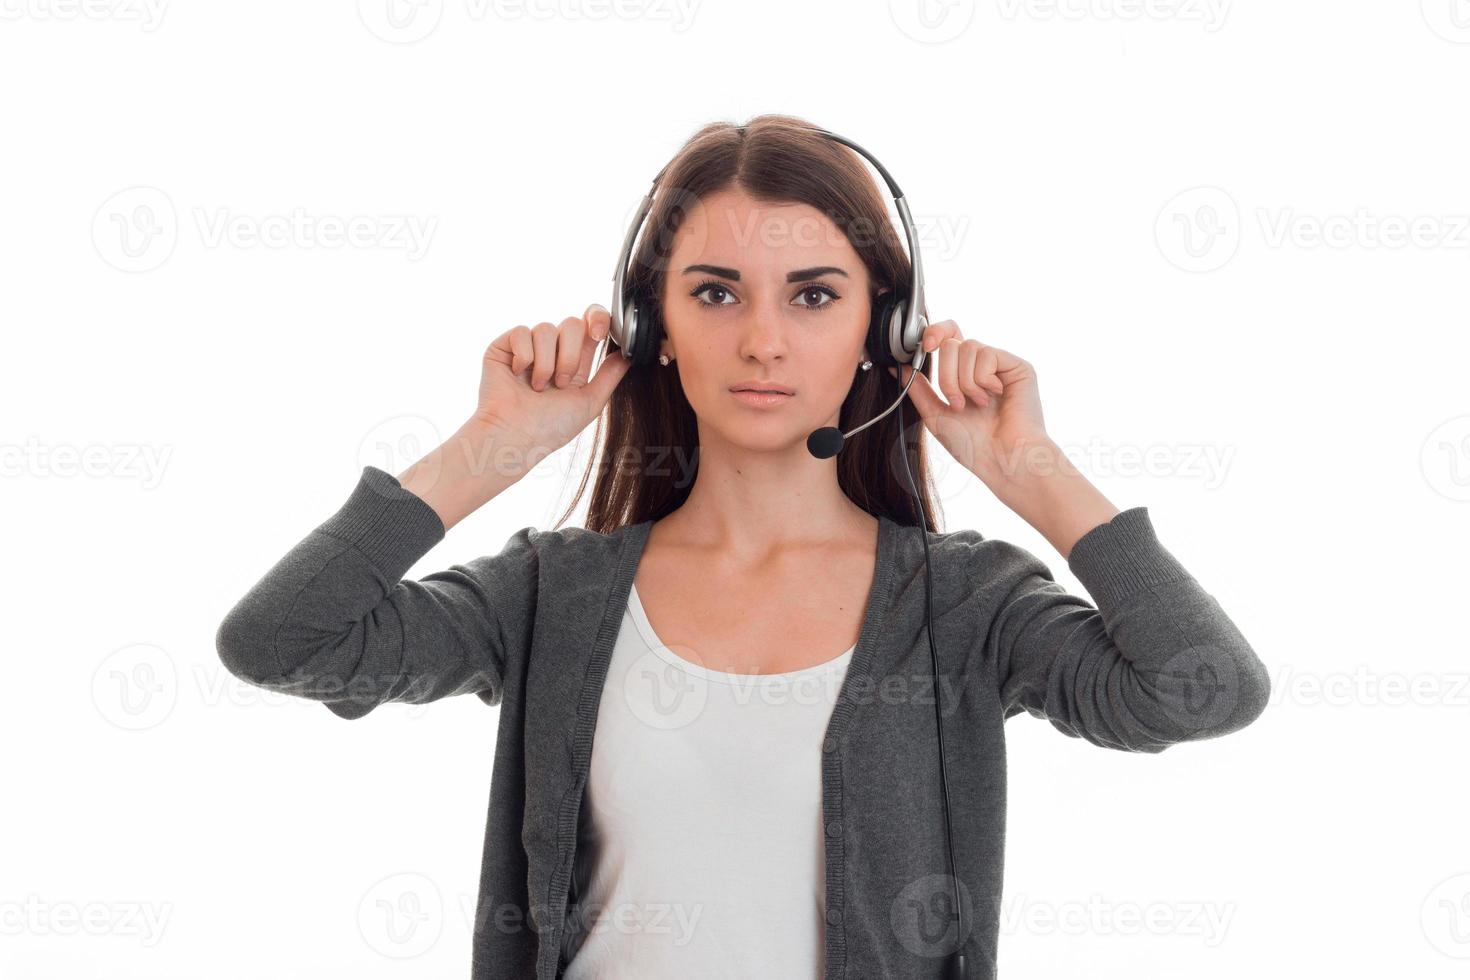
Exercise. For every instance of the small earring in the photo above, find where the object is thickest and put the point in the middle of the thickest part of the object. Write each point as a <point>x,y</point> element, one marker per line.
<point>865,364</point>
<point>663,359</point>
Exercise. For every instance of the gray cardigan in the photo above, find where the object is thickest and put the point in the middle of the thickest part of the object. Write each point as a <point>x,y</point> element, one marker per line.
<point>531,630</point>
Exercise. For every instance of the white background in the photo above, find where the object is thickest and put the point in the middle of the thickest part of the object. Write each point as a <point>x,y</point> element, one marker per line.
<point>1232,238</point>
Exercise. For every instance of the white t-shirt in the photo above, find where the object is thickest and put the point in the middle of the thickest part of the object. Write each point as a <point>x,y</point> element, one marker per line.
<point>700,848</point>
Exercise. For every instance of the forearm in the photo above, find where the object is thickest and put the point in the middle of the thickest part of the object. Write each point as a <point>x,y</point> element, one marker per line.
<point>1041,485</point>
<point>1152,661</point>
<point>334,619</point>
<point>468,470</point>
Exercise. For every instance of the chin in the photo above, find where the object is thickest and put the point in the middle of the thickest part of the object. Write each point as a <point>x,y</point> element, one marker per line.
<point>761,433</point>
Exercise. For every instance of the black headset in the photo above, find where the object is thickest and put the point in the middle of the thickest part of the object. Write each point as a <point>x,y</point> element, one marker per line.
<point>895,335</point>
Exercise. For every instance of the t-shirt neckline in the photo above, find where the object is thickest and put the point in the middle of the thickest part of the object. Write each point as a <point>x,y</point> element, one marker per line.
<point>645,629</point>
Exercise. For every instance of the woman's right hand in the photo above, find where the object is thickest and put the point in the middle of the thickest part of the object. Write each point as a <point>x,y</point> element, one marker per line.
<point>534,383</point>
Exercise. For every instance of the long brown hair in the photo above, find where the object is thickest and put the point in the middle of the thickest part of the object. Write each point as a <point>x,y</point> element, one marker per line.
<point>650,424</point>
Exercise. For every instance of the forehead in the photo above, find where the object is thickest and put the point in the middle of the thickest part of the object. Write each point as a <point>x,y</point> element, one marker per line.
<point>732,228</point>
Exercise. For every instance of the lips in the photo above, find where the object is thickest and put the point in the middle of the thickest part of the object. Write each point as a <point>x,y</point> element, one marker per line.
<point>764,389</point>
<point>760,399</point>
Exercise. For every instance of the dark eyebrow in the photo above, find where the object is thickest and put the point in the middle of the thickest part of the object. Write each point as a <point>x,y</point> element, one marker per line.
<point>796,275</point>
<point>715,270</point>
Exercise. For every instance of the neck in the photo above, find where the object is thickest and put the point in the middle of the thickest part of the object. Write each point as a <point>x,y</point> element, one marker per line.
<point>750,502</point>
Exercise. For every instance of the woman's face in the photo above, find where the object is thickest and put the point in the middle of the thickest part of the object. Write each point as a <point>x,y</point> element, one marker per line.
<point>763,293</point>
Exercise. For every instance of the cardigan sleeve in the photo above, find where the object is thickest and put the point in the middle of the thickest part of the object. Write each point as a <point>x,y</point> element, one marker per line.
<point>334,621</point>
<point>1155,662</point>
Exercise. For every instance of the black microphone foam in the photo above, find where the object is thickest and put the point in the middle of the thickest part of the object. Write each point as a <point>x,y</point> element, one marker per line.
<point>824,443</point>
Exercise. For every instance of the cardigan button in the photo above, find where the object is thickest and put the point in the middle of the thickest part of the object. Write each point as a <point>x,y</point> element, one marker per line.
<point>834,916</point>
<point>829,744</point>
<point>834,829</point>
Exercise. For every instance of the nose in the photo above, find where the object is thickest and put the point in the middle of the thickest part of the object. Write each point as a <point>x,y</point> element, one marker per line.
<point>763,338</point>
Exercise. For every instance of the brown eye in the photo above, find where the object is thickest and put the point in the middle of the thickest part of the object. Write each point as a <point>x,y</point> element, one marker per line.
<point>818,291</point>
<point>711,288</point>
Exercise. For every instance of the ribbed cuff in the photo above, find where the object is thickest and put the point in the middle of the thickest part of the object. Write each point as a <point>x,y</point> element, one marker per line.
<point>1121,557</point>
<point>391,526</point>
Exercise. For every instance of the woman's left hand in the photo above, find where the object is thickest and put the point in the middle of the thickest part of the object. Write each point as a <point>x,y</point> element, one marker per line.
<point>991,407</point>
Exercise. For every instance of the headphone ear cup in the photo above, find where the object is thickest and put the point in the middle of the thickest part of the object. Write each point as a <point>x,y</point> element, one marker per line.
<point>629,328</point>
<point>633,337</point>
<point>885,329</point>
<point>644,347</point>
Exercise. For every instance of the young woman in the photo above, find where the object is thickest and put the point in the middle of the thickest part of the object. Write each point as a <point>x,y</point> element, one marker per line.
<point>717,746</point>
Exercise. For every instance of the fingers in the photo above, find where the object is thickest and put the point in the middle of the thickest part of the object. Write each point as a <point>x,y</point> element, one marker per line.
<point>609,372</point>
<point>945,335</point>
<point>965,372</point>
<point>516,346</point>
<point>584,361</point>
<point>599,321</point>
<point>987,368</point>
<point>969,373</point>
<point>543,363</point>
<point>571,339</point>
<point>949,382</point>
<point>921,393</point>
<point>559,354</point>
<point>938,332</point>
